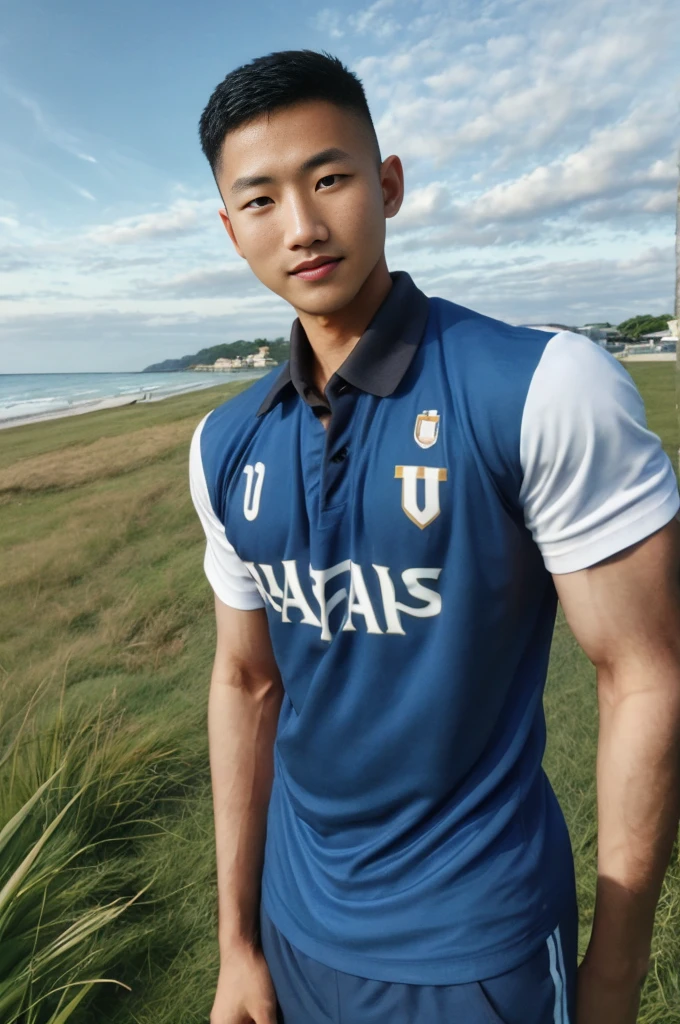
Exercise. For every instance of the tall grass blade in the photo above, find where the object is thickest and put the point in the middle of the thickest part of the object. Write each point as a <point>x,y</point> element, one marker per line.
<point>20,873</point>
<point>63,1015</point>
<point>18,819</point>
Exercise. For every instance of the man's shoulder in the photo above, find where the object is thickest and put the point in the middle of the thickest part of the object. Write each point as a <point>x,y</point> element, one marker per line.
<point>240,412</point>
<point>455,322</point>
<point>246,403</point>
<point>221,434</point>
<point>488,366</point>
<point>485,355</point>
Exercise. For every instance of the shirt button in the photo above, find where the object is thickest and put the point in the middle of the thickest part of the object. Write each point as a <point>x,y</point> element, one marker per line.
<point>340,455</point>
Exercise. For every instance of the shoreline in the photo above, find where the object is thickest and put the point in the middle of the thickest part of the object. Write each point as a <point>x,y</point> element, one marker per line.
<point>99,404</point>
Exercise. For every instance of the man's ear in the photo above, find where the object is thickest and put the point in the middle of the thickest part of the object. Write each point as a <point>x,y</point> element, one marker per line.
<point>229,227</point>
<point>392,184</point>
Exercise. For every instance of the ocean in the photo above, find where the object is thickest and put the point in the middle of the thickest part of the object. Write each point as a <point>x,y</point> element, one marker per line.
<point>32,394</point>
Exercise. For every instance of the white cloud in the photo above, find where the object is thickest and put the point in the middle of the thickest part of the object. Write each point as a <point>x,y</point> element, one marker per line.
<point>498,94</point>
<point>423,206</point>
<point>660,202</point>
<point>612,178</point>
<point>571,291</point>
<point>183,217</point>
<point>329,23</point>
<point>664,171</point>
<point>606,164</point>
<point>235,280</point>
<point>457,76</point>
<point>559,130</point>
<point>46,125</point>
<point>373,20</point>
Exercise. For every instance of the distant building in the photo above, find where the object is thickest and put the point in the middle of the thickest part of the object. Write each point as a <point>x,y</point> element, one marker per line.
<point>654,336</point>
<point>656,344</point>
<point>228,364</point>
<point>600,333</point>
<point>261,358</point>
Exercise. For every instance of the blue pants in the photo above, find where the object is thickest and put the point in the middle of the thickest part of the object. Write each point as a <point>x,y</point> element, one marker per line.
<point>539,991</point>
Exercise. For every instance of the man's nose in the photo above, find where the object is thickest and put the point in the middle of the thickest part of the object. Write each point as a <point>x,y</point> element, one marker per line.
<point>303,226</point>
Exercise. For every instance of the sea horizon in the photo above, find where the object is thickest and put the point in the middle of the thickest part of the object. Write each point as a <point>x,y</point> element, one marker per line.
<point>25,396</point>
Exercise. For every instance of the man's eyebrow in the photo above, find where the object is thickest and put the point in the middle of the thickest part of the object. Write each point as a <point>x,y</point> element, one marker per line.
<point>326,156</point>
<point>241,184</point>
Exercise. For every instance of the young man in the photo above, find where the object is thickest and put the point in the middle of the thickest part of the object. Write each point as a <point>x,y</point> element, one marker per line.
<point>390,520</point>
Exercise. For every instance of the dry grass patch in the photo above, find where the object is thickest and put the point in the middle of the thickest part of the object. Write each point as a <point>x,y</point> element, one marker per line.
<point>83,463</point>
<point>100,522</point>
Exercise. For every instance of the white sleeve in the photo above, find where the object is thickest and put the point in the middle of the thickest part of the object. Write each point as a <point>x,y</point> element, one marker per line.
<point>227,574</point>
<point>595,479</point>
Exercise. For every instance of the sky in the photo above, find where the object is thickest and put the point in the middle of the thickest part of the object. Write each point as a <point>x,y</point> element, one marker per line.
<point>539,142</point>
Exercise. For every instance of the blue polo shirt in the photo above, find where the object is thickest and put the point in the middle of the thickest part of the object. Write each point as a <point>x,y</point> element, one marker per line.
<point>404,557</point>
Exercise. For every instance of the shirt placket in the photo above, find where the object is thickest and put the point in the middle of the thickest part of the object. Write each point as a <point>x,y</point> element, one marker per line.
<point>336,466</point>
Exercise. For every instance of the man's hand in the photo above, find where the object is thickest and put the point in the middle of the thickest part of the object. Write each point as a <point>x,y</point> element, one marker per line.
<point>603,1000</point>
<point>245,993</point>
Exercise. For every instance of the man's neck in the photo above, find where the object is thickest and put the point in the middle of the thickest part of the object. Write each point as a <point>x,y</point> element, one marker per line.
<point>333,337</point>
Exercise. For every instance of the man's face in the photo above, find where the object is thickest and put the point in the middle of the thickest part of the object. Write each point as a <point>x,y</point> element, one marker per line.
<point>303,185</point>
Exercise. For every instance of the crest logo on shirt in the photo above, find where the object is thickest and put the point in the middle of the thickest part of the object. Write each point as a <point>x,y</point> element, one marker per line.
<point>432,477</point>
<point>251,498</point>
<point>426,430</point>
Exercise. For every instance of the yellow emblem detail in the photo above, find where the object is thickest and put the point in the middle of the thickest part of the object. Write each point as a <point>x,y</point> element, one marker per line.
<point>409,476</point>
<point>426,430</point>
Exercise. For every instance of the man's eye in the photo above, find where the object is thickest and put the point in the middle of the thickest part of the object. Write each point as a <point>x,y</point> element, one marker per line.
<point>257,204</point>
<point>330,179</point>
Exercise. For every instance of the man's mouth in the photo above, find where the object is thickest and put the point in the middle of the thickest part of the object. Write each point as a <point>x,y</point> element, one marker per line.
<point>314,270</point>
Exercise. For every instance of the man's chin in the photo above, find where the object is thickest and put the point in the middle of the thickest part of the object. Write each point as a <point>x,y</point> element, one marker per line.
<point>321,309</point>
<point>322,302</point>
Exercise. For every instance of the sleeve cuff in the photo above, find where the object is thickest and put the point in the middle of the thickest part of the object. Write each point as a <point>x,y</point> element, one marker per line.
<point>590,551</point>
<point>243,600</point>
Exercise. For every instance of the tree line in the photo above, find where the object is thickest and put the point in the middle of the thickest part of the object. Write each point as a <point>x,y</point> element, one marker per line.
<point>278,351</point>
<point>636,326</point>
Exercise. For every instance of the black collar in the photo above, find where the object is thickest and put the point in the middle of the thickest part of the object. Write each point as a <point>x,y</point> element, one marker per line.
<point>378,361</point>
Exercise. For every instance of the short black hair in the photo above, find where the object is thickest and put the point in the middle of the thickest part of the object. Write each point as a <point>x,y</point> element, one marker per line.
<point>273,82</point>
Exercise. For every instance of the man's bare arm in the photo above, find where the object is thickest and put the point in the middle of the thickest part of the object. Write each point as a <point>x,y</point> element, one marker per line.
<point>243,709</point>
<point>625,613</point>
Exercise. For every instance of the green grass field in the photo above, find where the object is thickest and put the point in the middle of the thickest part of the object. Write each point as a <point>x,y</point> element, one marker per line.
<point>104,604</point>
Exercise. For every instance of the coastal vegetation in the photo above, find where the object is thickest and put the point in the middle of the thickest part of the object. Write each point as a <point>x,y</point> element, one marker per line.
<point>278,351</point>
<point>636,326</point>
<point>106,642</point>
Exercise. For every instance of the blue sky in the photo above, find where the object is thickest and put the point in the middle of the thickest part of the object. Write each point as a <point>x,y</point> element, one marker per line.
<point>539,142</point>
